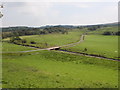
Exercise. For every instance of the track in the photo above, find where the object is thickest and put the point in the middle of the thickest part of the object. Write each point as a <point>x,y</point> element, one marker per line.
<point>68,45</point>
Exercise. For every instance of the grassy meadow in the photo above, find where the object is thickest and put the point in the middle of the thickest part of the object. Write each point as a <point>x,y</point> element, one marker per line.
<point>53,69</point>
<point>9,47</point>
<point>53,39</point>
<point>59,69</point>
<point>100,31</point>
<point>49,40</point>
<point>99,45</point>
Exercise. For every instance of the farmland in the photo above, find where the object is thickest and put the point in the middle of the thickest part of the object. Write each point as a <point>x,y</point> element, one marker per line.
<point>53,39</point>
<point>59,44</point>
<point>8,47</point>
<point>59,69</point>
<point>49,40</point>
<point>100,31</point>
<point>50,69</point>
<point>98,44</point>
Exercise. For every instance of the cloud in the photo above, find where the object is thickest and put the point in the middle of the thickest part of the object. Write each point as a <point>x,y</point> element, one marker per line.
<point>42,13</point>
<point>82,5</point>
<point>59,0</point>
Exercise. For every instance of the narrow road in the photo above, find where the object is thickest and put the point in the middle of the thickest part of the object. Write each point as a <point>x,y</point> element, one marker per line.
<point>73,44</point>
<point>68,45</point>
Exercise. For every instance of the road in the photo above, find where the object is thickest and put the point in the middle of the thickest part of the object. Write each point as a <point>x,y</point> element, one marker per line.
<point>68,45</point>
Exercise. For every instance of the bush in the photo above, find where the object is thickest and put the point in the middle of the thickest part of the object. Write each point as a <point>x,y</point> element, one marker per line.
<point>13,39</point>
<point>24,41</point>
<point>33,42</point>
<point>117,33</point>
<point>107,33</point>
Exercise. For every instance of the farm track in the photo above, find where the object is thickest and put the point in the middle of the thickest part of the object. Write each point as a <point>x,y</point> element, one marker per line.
<point>70,52</point>
<point>68,45</point>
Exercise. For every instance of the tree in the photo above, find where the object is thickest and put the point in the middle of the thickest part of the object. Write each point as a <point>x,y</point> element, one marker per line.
<point>33,42</point>
<point>117,33</point>
<point>15,39</point>
<point>107,33</point>
<point>24,41</point>
<point>85,49</point>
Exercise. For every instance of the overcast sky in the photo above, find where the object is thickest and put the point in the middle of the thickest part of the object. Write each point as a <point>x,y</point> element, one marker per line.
<point>58,13</point>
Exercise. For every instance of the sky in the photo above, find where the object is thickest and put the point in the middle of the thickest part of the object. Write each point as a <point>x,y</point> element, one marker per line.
<point>41,13</point>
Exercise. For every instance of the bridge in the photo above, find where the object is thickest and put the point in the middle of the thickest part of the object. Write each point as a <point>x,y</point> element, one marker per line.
<point>53,48</point>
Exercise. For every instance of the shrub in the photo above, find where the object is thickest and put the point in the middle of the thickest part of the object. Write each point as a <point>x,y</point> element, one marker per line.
<point>33,42</point>
<point>14,39</point>
<point>117,33</point>
<point>24,41</point>
<point>107,33</point>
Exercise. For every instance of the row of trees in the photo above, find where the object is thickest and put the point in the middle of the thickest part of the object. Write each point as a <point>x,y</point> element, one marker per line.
<point>93,28</point>
<point>22,31</point>
<point>56,29</point>
<point>111,33</point>
<point>18,40</point>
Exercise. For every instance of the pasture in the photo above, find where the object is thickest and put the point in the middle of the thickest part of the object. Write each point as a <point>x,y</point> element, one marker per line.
<point>55,39</point>
<point>50,40</point>
<point>58,69</point>
<point>53,69</point>
<point>100,31</point>
<point>9,47</point>
<point>99,45</point>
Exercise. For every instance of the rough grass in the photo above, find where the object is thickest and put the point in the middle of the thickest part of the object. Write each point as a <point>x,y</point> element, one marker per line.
<point>50,40</point>
<point>51,69</point>
<point>98,44</point>
<point>9,47</point>
<point>104,29</point>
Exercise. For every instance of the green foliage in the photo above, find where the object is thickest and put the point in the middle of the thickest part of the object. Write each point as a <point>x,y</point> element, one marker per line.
<point>24,41</point>
<point>15,39</point>
<point>94,27</point>
<point>117,33</point>
<point>111,33</point>
<point>33,42</point>
<point>22,31</point>
<point>107,33</point>
<point>113,30</point>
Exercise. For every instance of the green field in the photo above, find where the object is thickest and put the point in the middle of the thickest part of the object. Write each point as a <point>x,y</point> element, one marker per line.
<point>53,69</point>
<point>99,45</point>
<point>9,47</point>
<point>58,69</point>
<point>100,31</point>
<point>56,39</point>
<point>50,40</point>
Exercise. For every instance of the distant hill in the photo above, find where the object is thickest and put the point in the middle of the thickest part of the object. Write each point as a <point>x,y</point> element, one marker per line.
<point>4,29</point>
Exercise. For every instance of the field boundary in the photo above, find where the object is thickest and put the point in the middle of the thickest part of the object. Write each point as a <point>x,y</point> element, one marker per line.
<point>50,48</point>
<point>89,55</point>
<point>70,52</point>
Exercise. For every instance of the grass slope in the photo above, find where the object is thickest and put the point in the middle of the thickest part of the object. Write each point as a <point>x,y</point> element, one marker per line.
<point>51,69</point>
<point>104,29</point>
<point>9,47</point>
<point>98,44</point>
<point>56,39</point>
